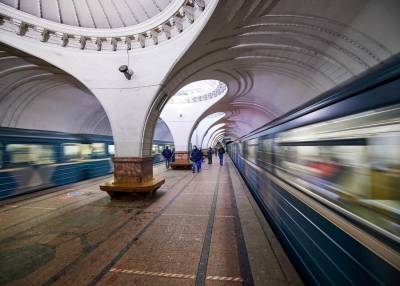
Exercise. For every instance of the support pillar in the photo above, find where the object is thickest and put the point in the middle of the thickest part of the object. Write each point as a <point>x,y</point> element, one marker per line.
<point>127,111</point>
<point>132,174</point>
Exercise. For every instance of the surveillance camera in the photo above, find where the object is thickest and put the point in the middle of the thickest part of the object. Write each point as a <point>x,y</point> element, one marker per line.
<point>126,71</point>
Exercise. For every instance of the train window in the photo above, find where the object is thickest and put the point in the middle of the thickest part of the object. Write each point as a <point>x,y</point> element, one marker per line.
<point>265,153</point>
<point>76,152</point>
<point>98,149</point>
<point>31,154</point>
<point>384,153</point>
<point>111,149</point>
<point>252,153</point>
<point>160,148</point>
<point>85,151</point>
<point>154,150</point>
<point>72,152</point>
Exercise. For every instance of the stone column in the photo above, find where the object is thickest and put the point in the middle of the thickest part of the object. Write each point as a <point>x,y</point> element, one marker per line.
<point>132,170</point>
<point>127,110</point>
<point>132,174</point>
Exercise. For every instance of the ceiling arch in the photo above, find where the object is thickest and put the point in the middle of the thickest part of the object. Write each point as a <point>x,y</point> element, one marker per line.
<point>202,128</point>
<point>217,138</point>
<point>276,55</point>
<point>36,95</point>
<point>207,137</point>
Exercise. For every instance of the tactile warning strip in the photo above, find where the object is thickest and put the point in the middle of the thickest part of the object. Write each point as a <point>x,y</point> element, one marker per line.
<point>158,274</point>
<point>224,278</point>
<point>174,275</point>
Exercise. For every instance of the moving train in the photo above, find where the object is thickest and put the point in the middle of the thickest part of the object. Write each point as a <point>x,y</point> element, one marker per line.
<point>327,177</point>
<point>32,160</point>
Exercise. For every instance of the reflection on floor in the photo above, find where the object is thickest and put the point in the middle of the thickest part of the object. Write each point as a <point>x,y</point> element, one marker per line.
<point>199,229</point>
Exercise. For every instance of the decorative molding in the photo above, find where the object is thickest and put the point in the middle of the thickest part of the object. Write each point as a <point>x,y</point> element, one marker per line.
<point>162,27</point>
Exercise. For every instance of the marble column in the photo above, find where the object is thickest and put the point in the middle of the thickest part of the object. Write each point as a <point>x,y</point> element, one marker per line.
<point>132,170</point>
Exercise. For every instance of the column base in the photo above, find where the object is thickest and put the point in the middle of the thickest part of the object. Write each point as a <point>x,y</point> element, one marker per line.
<point>181,161</point>
<point>144,187</point>
<point>132,175</point>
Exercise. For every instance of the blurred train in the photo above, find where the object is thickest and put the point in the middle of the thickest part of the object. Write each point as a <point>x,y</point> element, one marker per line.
<point>327,177</point>
<point>32,160</point>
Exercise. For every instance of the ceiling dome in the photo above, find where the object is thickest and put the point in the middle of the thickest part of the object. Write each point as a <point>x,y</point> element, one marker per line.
<point>198,88</point>
<point>199,91</point>
<point>101,14</point>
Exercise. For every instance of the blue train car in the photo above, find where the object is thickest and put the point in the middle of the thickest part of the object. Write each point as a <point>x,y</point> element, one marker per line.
<point>327,178</point>
<point>32,160</point>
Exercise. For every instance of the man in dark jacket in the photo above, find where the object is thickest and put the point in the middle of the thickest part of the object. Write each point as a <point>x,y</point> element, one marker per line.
<point>221,152</point>
<point>209,155</point>
<point>167,155</point>
<point>195,157</point>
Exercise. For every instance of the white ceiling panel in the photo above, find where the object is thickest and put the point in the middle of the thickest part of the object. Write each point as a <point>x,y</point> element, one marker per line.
<point>68,13</point>
<point>31,7</point>
<point>112,14</point>
<point>98,14</point>
<point>50,10</point>
<point>138,10</point>
<point>84,15</point>
<point>149,6</point>
<point>127,15</point>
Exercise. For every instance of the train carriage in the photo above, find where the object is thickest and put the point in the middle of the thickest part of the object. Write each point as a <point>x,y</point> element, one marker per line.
<point>327,177</point>
<point>32,160</point>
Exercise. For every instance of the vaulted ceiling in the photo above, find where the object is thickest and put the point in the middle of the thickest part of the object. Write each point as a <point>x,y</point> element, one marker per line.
<point>276,55</point>
<point>36,95</point>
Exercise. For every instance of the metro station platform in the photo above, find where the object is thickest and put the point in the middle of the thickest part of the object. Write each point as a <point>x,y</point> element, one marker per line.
<point>198,229</point>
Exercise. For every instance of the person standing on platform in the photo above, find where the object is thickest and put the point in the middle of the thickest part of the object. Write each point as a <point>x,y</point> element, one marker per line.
<point>195,157</point>
<point>221,152</point>
<point>209,155</point>
<point>216,151</point>
<point>167,155</point>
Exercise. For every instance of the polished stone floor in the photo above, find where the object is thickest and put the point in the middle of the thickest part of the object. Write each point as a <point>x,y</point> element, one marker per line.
<point>198,229</point>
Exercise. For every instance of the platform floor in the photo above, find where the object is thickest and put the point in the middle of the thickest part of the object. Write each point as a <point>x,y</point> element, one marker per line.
<point>198,229</point>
